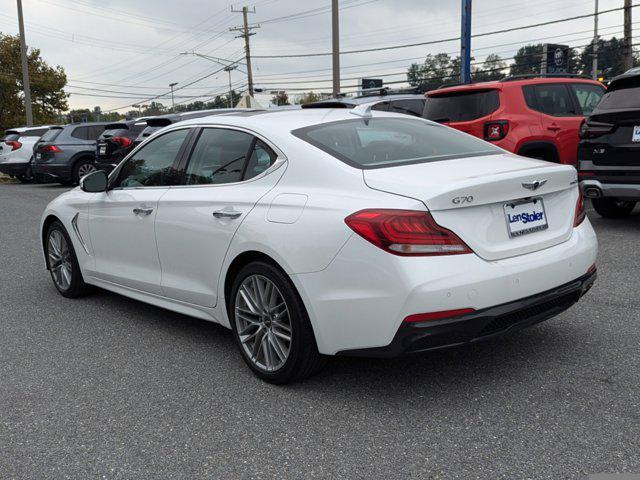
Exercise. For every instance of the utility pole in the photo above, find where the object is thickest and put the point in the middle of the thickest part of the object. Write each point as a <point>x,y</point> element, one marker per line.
<point>25,68</point>
<point>173,103</point>
<point>245,32</point>
<point>465,43</point>
<point>594,63</point>
<point>628,36</point>
<point>335,43</point>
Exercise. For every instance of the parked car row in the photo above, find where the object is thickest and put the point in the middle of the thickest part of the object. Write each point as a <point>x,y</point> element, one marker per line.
<point>561,119</point>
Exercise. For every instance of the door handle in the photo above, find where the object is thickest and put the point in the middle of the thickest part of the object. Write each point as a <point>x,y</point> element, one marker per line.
<point>226,214</point>
<point>553,128</point>
<point>142,211</point>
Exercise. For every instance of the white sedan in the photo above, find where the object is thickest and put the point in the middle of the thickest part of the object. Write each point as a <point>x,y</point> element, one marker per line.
<point>328,232</point>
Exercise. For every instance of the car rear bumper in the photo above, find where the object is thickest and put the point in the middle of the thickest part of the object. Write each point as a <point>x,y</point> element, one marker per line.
<point>51,172</point>
<point>13,168</point>
<point>482,324</point>
<point>593,188</point>
<point>361,299</point>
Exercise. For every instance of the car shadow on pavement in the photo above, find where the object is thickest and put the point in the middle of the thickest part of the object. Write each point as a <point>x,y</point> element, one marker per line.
<point>490,362</point>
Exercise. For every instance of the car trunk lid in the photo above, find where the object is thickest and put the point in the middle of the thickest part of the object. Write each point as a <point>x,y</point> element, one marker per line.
<point>473,199</point>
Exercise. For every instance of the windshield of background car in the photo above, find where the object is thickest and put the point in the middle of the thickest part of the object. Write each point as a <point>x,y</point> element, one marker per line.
<point>50,135</point>
<point>623,96</point>
<point>461,106</point>
<point>389,142</point>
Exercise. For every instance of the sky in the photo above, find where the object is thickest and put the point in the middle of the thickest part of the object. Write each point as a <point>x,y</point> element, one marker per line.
<point>117,53</point>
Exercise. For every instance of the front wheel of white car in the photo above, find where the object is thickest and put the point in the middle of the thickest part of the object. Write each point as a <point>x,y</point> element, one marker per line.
<point>62,262</point>
<point>271,325</point>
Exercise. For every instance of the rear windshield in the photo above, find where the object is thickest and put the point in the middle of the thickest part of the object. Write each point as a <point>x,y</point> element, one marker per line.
<point>10,137</point>
<point>50,135</point>
<point>621,98</point>
<point>115,132</point>
<point>389,142</point>
<point>461,106</point>
<point>36,132</point>
<point>148,131</point>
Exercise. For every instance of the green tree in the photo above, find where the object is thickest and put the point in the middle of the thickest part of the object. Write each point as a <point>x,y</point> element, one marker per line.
<point>47,86</point>
<point>493,68</point>
<point>435,71</point>
<point>309,97</point>
<point>610,57</point>
<point>527,60</point>
<point>281,98</point>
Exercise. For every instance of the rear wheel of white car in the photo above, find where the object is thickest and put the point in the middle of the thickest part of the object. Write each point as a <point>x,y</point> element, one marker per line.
<point>62,262</point>
<point>612,208</point>
<point>271,325</point>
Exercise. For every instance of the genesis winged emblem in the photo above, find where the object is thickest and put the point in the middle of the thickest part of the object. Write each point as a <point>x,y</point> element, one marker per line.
<point>534,185</point>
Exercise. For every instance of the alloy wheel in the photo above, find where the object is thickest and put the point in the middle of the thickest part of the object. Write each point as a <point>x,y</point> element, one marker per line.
<point>263,323</point>
<point>86,169</point>
<point>59,260</point>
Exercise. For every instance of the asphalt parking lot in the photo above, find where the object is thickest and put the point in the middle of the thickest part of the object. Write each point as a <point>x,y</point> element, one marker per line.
<point>106,387</point>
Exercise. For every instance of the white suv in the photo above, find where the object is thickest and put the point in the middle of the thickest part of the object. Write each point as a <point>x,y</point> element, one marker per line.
<point>16,151</point>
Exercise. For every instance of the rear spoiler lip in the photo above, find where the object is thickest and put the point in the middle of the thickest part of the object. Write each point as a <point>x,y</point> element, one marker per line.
<point>116,126</point>
<point>158,122</point>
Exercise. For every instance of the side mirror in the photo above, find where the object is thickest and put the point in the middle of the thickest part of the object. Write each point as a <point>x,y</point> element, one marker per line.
<point>94,182</point>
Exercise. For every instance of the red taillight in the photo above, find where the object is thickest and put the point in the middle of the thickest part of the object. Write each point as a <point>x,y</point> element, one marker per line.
<point>14,144</point>
<point>406,232</point>
<point>581,213</point>
<point>122,141</point>
<point>51,149</point>
<point>594,129</point>
<point>427,317</point>
<point>496,130</point>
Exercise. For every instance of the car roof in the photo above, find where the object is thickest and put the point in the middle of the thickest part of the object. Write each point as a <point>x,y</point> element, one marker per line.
<point>86,124</point>
<point>26,129</point>
<point>361,100</point>
<point>508,82</point>
<point>277,122</point>
<point>629,75</point>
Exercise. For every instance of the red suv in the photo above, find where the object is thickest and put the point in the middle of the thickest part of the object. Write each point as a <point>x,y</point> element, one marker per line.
<point>531,116</point>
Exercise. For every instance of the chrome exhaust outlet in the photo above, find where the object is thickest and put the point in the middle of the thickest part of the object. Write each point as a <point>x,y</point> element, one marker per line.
<point>592,192</point>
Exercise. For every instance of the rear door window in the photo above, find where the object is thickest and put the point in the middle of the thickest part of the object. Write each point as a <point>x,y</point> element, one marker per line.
<point>588,96</point>
<point>553,99</point>
<point>461,106</point>
<point>81,133</point>
<point>219,157</point>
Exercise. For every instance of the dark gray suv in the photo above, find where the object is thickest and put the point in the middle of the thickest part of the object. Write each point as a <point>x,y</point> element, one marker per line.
<point>65,154</point>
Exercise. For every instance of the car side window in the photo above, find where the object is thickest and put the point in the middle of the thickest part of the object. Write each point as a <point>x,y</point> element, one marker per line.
<point>588,96</point>
<point>154,164</point>
<point>553,99</point>
<point>81,133</point>
<point>218,157</point>
<point>413,107</point>
<point>262,157</point>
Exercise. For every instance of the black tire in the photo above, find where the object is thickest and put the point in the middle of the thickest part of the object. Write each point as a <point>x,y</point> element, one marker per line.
<point>304,359</point>
<point>27,176</point>
<point>76,287</point>
<point>78,167</point>
<point>612,208</point>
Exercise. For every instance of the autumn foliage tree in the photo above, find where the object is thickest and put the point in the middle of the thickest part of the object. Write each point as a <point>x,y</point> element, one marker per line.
<point>47,86</point>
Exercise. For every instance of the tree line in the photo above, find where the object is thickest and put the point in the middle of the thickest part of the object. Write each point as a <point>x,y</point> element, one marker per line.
<point>442,69</point>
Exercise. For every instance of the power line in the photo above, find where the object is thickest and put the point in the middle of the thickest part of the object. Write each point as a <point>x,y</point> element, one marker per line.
<point>445,40</point>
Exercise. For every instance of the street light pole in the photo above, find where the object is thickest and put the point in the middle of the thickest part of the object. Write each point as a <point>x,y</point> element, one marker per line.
<point>229,69</point>
<point>25,68</point>
<point>465,43</point>
<point>173,103</point>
